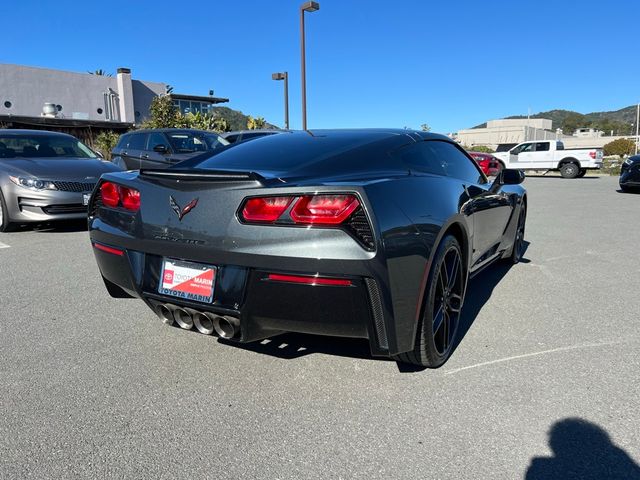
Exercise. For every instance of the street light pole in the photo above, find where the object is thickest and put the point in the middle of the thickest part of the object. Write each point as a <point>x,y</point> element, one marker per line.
<point>284,76</point>
<point>637,127</point>
<point>305,7</point>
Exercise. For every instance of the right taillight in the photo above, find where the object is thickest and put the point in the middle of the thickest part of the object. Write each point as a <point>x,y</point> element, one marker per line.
<point>114,195</point>
<point>324,209</point>
<point>592,154</point>
<point>320,209</point>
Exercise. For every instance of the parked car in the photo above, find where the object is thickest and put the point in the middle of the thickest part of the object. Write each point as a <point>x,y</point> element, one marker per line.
<point>489,164</point>
<point>630,174</point>
<point>551,155</point>
<point>163,147</point>
<point>45,176</point>
<point>244,135</point>
<point>355,233</point>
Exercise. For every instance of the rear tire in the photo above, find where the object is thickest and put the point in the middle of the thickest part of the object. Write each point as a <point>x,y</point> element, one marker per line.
<point>569,170</point>
<point>518,242</point>
<point>441,309</point>
<point>5,223</point>
<point>582,173</point>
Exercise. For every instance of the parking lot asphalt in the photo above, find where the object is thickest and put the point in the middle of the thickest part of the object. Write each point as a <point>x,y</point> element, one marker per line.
<point>546,374</point>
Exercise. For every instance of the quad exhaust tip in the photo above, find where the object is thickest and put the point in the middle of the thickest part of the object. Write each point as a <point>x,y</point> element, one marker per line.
<point>203,323</point>
<point>183,318</point>
<point>223,326</point>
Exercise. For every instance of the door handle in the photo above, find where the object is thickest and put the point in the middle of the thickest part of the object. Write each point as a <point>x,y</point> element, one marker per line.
<point>144,155</point>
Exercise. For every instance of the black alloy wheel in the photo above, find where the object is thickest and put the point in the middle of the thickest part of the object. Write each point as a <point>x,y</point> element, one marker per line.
<point>518,242</point>
<point>442,307</point>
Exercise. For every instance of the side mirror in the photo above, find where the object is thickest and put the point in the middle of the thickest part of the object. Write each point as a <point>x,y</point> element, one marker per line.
<point>507,176</point>
<point>160,149</point>
<point>511,176</point>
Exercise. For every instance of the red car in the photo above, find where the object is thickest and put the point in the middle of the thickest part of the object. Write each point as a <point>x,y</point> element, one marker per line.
<point>489,164</point>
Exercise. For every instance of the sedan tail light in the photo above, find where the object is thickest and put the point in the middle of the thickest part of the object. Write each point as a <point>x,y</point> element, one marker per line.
<point>114,195</point>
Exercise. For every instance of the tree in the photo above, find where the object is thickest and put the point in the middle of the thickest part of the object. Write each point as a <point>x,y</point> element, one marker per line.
<point>425,128</point>
<point>256,123</point>
<point>163,114</point>
<point>621,147</point>
<point>105,142</point>
<point>100,72</point>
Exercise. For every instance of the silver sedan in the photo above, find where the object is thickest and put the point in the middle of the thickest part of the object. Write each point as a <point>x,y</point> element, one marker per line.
<point>45,176</point>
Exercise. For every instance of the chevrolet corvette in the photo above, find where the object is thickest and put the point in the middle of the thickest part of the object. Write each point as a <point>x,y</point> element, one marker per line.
<point>369,234</point>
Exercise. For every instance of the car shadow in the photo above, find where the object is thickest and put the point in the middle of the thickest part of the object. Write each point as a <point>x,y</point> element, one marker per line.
<point>68,226</point>
<point>558,177</point>
<point>582,450</point>
<point>295,345</point>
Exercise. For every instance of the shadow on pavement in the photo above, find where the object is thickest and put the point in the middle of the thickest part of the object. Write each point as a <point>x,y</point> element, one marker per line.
<point>558,177</point>
<point>68,226</point>
<point>582,450</point>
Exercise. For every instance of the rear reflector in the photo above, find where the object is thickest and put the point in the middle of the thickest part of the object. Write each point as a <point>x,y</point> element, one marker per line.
<point>111,250</point>
<point>324,209</point>
<point>265,209</point>
<point>309,280</point>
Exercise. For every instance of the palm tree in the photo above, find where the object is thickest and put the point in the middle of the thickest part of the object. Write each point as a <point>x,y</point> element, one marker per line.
<point>100,72</point>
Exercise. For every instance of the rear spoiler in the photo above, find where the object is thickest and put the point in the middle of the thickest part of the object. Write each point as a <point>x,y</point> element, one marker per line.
<point>206,175</point>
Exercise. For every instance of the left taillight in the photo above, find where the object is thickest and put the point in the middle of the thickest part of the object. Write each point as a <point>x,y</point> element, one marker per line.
<point>320,209</point>
<point>114,195</point>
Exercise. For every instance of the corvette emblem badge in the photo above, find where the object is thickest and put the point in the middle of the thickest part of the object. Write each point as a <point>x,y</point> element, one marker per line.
<point>181,212</point>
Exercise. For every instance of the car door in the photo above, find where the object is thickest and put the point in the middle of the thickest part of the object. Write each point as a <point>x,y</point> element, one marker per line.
<point>134,149</point>
<point>156,152</point>
<point>543,156</point>
<point>488,209</point>
<point>521,156</point>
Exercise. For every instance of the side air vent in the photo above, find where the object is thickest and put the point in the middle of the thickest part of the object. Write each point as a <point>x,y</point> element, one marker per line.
<point>359,226</point>
<point>95,204</point>
<point>376,311</point>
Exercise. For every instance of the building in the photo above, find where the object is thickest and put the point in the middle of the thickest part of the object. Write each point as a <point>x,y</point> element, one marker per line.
<point>505,133</point>
<point>32,97</point>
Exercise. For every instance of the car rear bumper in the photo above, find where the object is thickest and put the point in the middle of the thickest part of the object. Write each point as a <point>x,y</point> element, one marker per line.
<point>263,306</point>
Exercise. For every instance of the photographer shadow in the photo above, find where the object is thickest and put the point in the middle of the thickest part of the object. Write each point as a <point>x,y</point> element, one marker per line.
<point>582,450</point>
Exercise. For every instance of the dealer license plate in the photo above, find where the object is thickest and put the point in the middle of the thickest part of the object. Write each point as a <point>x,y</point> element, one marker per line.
<point>188,280</point>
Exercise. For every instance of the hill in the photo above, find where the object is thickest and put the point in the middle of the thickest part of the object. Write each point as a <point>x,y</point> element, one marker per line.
<point>620,121</point>
<point>237,120</point>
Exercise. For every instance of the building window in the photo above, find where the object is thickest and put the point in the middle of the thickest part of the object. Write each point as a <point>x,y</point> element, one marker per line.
<point>99,111</point>
<point>137,114</point>
<point>59,108</point>
<point>7,104</point>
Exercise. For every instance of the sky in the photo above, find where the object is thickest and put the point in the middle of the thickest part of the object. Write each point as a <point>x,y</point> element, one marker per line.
<point>370,63</point>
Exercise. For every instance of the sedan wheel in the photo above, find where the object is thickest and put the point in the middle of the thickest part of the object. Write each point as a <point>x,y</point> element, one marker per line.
<point>442,307</point>
<point>5,224</point>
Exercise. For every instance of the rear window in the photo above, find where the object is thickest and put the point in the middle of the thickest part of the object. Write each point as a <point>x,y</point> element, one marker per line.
<point>291,151</point>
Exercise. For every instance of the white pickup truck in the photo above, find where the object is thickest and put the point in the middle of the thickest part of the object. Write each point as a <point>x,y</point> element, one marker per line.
<point>551,155</point>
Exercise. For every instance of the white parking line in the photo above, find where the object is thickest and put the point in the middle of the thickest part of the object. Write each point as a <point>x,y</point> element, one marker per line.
<point>4,245</point>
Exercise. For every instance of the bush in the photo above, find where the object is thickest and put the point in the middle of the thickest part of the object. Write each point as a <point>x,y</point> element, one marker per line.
<point>255,123</point>
<point>620,147</point>
<point>479,148</point>
<point>105,142</point>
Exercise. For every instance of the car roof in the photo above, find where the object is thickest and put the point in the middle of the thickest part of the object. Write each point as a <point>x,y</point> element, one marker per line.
<point>171,130</point>
<point>19,132</point>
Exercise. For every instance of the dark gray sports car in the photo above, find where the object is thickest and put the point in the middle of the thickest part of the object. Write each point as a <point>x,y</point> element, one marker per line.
<point>45,176</point>
<point>352,233</point>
